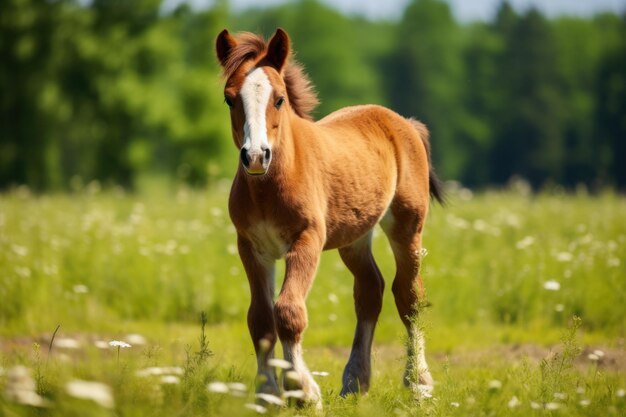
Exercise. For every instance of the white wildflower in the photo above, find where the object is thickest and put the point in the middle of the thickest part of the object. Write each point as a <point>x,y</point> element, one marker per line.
<point>218,387</point>
<point>231,249</point>
<point>240,394</point>
<point>279,363</point>
<point>514,402</point>
<point>66,343</point>
<point>552,406</point>
<point>80,289</point>
<point>256,407</point>
<point>535,405</point>
<point>552,285</point>
<point>598,353</point>
<point>19,250</point>
<point>564,257</point>
<point>465,194</point>
<point>457,222</point>
<point>298,394</point>
<point>237,386</point>
<point>97,392</point>
<point>136,339</point>
<point>620,393</point>
<point>524,243</point>
<point>173,370</point>
<point>158,371</point>
<point>593,357</point>
<point>455,404</point>
<point>584,403</point>
<point>153,370</point>
<point>332,297</point>
<point>22,271</point>
<point>101,344</point>
<point>495,385</point>
<point>20,388</point>
<point>480,225</point>
<point>170,379</point>
<point>613,262</point>
<point>319,373</point>
<point>119,344</point>
<point>270,399</point>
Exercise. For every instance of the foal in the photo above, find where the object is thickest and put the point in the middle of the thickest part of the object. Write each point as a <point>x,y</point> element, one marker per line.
<point>303,187</point>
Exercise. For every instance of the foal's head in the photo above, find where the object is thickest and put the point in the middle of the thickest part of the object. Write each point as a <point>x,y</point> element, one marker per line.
<point>262,89</point>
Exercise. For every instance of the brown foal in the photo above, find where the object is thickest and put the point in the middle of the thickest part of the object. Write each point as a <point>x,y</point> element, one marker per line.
<point>303,187</point>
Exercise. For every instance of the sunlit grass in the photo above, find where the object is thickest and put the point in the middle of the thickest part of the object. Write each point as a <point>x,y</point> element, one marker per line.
<point>505,273</point>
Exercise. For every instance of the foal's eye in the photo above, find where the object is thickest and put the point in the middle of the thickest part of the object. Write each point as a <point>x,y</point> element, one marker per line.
<point>279,102</point>
<point>228,101</point>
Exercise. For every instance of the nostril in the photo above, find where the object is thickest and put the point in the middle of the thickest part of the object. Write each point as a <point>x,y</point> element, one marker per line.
<point>267,153</point>
<point>244,157</point>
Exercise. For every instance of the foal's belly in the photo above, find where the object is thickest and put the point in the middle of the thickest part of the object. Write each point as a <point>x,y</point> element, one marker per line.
<point>355,206</point>
<point>347,223</point>
<point>343,235</point>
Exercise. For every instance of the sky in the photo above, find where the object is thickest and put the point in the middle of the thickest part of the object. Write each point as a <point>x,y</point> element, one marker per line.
<point>464,10</point>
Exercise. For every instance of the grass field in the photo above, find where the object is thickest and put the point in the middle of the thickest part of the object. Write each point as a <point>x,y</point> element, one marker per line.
<point>506,273</point>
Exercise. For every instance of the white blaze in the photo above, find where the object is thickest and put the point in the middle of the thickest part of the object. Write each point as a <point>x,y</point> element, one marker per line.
<point>255,93</point>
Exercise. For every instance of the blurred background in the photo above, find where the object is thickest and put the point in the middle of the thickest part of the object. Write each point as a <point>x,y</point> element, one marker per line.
<point>124,92</point>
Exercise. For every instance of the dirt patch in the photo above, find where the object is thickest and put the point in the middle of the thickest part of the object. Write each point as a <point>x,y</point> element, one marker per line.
<point>603,357</point>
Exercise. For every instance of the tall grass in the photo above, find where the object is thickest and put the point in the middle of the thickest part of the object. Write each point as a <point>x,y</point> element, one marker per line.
<point>502,268</point>
<point>496,258</point>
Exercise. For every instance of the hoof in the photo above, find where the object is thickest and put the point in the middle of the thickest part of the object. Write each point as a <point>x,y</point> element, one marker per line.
<point>302,390</point>
<point>356,377</point>
<point>266,385</point>
<point>423,388</point>
<point>352,385</point>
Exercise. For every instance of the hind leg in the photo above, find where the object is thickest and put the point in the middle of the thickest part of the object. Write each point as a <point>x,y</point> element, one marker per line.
<point>404,230</point>
<point>368,297</point>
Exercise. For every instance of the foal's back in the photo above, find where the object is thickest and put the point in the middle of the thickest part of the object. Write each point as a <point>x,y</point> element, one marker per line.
<point>366,155</point>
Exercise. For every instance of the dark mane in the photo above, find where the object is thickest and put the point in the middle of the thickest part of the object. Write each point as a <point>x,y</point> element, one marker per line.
<point>300,91</point>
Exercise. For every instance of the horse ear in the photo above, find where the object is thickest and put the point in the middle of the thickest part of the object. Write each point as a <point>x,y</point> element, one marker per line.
<point>224,46</point>
<point>278,49</point>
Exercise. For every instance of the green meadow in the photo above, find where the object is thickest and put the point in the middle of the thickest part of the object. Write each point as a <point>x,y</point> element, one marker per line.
<point>526,316</point>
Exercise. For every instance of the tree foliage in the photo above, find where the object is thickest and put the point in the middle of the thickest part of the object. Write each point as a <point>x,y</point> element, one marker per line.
<point>114,89</point>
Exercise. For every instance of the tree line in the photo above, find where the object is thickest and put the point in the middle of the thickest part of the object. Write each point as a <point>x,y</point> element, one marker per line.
<point>118,90</point>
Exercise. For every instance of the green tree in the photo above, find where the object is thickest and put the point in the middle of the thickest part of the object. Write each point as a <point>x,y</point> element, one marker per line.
<point>27,29</point>
<point>529,131</point>
<point>108,90</point>
<point>476,135</point>
<point>423,75</point>
<point>610,114</point>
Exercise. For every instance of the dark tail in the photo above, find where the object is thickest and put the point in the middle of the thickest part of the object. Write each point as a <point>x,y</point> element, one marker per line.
<point>435,184</point>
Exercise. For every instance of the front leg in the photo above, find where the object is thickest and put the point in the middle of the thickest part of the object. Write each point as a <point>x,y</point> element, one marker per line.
<point>260,272</point>
<point>290,312</point>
